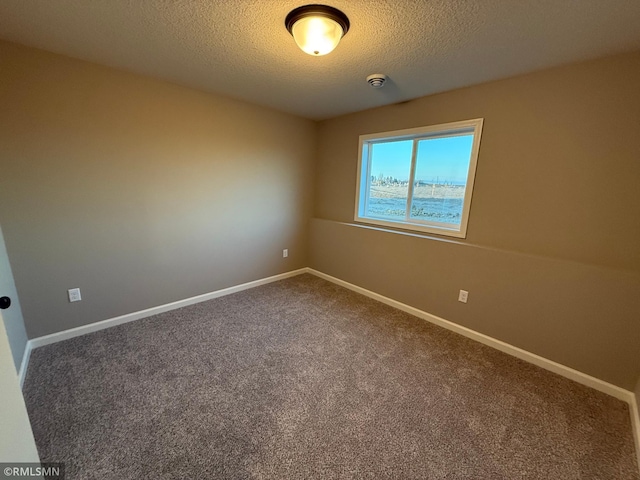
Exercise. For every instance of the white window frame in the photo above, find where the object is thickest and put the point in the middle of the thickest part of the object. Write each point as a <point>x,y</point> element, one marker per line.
<point>465,127</point>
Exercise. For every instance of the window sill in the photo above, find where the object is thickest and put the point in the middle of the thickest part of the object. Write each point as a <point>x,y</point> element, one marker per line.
<point>412,228</point>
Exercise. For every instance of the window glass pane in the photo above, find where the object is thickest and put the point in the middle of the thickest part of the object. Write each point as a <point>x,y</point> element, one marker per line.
<point>442,166</point>
<point>437,159</point>
<point>389,180</point>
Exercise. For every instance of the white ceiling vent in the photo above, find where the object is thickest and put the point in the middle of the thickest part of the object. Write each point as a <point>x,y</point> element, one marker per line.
<point>377,80</point>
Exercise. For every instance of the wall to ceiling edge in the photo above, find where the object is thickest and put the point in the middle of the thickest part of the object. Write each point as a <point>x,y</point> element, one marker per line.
<point>552,258</point>
<point>140,192</point>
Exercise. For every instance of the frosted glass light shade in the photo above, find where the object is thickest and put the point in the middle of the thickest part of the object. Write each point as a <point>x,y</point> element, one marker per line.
<point>317,35</point>
<point>317,29</point>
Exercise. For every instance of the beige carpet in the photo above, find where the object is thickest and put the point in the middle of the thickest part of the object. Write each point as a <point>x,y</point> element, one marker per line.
<point>302,379</point>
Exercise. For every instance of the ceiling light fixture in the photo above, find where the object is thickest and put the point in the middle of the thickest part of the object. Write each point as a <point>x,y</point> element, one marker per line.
<point>317,29</point>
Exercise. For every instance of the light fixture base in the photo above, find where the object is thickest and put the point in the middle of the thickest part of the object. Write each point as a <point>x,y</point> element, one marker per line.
<point>317,11</point>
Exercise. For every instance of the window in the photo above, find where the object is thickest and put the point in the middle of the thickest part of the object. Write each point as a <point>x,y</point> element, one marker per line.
<point>419,179</point>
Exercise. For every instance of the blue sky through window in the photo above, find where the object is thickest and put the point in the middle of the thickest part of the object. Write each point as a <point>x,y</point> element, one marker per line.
<point>445,159</point>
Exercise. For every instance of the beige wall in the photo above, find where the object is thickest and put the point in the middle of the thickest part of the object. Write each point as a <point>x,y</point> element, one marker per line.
<point>140,192</point>
<point>552,256</point>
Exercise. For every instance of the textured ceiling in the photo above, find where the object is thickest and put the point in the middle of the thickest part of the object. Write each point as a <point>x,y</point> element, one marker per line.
<point>241,49</point>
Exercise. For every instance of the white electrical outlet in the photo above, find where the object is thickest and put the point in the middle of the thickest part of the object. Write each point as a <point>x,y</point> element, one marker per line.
<point>285,253</point>
<point>463,296</point>
<point>74,295</point>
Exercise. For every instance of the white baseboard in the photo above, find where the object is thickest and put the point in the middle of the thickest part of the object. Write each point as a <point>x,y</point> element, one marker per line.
<point>130,317</point>
<point>550,365</point>
<point>25,362</point>
<point>567,372</point>
<point>542,362</point>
